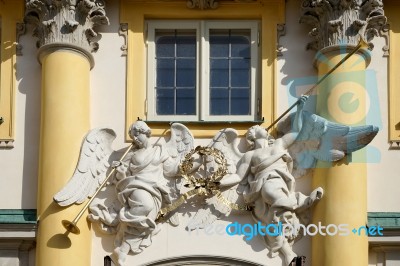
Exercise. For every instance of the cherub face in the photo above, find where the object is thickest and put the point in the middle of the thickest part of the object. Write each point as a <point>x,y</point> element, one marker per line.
<point>140,133</point>
<point>251,134</point>
<point>256,132</point>
<point>139,138</point>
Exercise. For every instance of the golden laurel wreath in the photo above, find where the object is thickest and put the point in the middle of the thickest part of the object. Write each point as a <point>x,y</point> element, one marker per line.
<point>207,186</point>
<point>209,183</point>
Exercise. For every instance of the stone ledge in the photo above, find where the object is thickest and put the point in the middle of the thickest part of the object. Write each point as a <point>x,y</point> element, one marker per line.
<point>17,216</point>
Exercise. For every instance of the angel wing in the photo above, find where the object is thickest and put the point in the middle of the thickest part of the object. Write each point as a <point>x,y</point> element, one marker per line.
<point>91,169</point>
<point>323,140</point>
<point>180,144</point>
<point>226,140</point>
<point>181,141</point>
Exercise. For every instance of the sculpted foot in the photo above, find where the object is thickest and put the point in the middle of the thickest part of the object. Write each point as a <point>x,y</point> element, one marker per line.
<point>119,257</point>
<point>316,195</point>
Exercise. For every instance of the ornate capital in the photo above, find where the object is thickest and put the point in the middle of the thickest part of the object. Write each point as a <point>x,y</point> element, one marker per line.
<point>202,4</point>
<point>69,22</point>
<point>338,22</point>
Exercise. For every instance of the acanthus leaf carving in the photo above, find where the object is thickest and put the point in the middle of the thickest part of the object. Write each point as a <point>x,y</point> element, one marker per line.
<point>337,22</point>
<point>69,22</point>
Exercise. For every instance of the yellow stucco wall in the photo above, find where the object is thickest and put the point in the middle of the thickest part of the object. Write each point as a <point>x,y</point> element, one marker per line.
<point>269,13</point>
<point>392,10</point>
<point>11,12</point>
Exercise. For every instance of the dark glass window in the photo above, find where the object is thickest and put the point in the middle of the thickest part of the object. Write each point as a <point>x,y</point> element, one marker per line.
<point>176,62</point>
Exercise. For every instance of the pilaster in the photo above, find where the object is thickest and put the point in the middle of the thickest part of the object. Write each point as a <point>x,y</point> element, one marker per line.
<point>66,37</point>
<point>337,27</point>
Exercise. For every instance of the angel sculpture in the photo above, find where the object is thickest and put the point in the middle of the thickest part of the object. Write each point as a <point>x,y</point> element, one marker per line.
<point>141,183</point>
<point>263,176</point>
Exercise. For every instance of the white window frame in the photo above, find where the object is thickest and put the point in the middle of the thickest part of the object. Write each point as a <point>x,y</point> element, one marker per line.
<point>202,28</point>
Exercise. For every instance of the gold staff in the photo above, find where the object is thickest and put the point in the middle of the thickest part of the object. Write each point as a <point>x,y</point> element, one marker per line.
<point>362,43</point>
<point>71,226</point>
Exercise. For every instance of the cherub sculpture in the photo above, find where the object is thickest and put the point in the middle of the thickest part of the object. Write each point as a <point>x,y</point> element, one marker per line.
<point>263,178</point>
<point>144,181</point>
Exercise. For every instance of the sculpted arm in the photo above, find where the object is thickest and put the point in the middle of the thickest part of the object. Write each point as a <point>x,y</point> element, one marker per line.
<point>291,137</point>
<point>242,171</point>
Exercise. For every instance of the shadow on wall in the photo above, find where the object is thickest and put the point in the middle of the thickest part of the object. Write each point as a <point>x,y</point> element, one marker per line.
<point>28,71</point>
<point>297,72</point>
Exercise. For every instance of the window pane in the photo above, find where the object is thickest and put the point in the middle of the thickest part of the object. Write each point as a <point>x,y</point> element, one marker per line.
<point>186,72</point>
<point>240,73</point>
<point>240,43</point>
<point>176,72</point>
<point>165,73</point>
<point>186,44</point>
<point>165,43</point>
<point>165,102</point>
<point>219,74</point>
<point>186,101</point>
<point>219,102</point>
<point>240,102</point>
<point>230,72</point>
<point>219,43</point>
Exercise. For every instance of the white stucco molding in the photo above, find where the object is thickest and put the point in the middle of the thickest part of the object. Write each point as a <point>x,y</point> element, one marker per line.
<point>66,22</point>
<point>20,232</point>
<point>49,48</point>
<point>321,55</point>
<point>16,240</point>
<point>342,22</point>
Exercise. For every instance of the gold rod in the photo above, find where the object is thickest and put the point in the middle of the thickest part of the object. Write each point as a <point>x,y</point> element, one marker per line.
<point>360,44</point>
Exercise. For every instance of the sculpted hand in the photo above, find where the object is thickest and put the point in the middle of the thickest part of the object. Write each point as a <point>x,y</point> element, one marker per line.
<point>115,164</point>
<point>303,100</point>
<point>120,168</point>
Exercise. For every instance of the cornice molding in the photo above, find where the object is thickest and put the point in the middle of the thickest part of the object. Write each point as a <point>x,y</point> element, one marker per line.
<point>338,22</point>
<point>66,21</point>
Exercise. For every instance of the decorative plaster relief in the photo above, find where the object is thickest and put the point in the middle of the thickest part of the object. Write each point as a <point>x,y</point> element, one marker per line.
<point>65,21</point>
<point>147,187</point>
<point>280,31</point>
<point>385,33</point>
<point>21,29</point>
<point>6,144</point>
<point>202,4</point>
<point>337,22</point>
<point>123,31</point>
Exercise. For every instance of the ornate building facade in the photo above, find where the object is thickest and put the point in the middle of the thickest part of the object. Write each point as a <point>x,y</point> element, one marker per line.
<point>193,85</point>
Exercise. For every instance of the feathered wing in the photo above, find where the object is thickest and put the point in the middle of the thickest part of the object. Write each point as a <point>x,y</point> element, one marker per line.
<point>181,141</point>
<point>180,144</point>
<point>226,140</point>
<point>323,140</point>
<point>91,169</point>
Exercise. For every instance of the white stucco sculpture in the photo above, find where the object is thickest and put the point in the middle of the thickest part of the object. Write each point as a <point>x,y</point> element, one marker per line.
<point>263,177</point>
<point>260,179</point>
<point>144,181</point>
